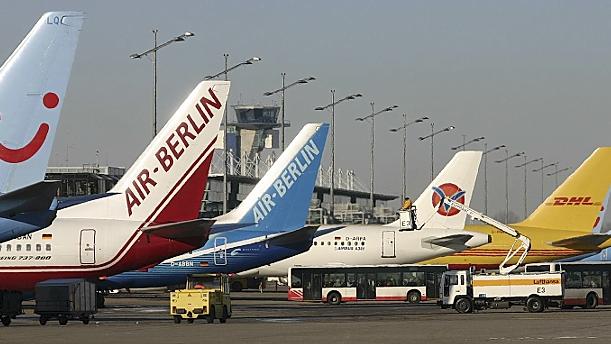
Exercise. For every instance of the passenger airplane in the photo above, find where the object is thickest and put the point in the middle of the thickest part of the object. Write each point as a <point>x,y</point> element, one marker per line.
<point>33,82</point>
<point>150,215</point>
<point>273,216</point>
<point>442,231</point>
<point>565,225</point>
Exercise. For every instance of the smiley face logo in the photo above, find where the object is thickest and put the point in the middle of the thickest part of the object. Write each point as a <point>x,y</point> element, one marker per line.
<point>16,155</point>
<point>447,190</point>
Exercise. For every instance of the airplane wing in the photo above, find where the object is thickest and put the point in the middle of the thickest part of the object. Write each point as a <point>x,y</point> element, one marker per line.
<point>588,242</point>
<point>448,240</point>
<point>185,231</point>
<point>32,198</point>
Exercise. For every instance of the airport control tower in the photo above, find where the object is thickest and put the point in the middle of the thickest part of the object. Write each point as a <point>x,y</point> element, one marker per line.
<point>254,130</point>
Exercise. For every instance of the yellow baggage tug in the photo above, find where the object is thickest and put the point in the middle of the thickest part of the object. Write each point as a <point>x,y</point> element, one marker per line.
<point>205,296</point>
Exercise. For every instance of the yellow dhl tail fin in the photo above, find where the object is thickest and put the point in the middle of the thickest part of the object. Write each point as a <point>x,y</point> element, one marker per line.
<point>578,202</point>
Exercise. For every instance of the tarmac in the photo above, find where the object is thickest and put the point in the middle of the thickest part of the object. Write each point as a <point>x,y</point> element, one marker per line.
<point>268,318</point>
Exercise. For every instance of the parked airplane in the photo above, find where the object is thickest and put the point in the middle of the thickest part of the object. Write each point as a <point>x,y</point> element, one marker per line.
<point>150,215</point>
<point>273,215</point>
<point>33,82</point>
<point>441,233</point>
<point>565,225</point>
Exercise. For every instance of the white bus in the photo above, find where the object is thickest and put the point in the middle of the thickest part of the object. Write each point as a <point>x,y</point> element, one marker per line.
<point>342,283</point>
<point>586,284</point>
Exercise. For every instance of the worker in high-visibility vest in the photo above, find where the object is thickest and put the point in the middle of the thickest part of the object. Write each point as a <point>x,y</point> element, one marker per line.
<point>407,204</point>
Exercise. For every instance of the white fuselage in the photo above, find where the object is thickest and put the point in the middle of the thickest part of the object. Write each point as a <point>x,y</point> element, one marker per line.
<point>372,245</point>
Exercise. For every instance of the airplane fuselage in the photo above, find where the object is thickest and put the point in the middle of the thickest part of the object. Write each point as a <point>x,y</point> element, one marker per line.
<point>373,244</point>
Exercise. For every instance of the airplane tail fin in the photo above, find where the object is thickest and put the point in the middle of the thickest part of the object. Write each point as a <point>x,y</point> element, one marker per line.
<point>456,180</point>
<point>577,203</point>
<point>167,182</point>
<point>33,83</point>
<point>281,199</point>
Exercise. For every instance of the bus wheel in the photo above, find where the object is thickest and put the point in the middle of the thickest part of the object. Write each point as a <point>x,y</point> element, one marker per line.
<point>177,319</point>
<point>225,315</point>
<point>463,305</point>
<point>591,301</point>
<point>534,304</point>
<point>334,298</point>
<point>413,296</point>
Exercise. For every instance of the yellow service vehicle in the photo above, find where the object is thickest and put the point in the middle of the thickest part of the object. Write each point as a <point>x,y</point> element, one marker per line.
<point>205,296</point>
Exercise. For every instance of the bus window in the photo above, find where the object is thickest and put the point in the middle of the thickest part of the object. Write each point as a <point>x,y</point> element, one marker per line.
<point>591,279</point>
<point>573,279</point>
<point>413,279</point>
<point>389,279</point>
<point>296,279</point>
<point>350,280</point>
<point>334,280</point>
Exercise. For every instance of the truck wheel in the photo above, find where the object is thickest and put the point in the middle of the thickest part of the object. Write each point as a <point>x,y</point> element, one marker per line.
<point>63,320</point>
<point>85,319</point>
<point>43,320</point>
<point>535,304</point>
<point>334,298</point>
<point>464,305</point>
<point>6,320</point>
<point>224,317</point>
<point>177,319</point>
<point>211,315</point>
<point>591,301</point>
<point>413,296</point>
<point>190,320</point>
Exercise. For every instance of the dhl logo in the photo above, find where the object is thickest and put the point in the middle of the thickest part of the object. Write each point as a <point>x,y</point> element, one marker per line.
<point>573,200</point>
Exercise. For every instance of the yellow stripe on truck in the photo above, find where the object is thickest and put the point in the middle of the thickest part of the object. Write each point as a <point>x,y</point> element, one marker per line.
<point>515,282</point>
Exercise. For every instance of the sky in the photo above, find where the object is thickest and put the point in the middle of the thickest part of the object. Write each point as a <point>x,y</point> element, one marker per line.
<point>534,76</point>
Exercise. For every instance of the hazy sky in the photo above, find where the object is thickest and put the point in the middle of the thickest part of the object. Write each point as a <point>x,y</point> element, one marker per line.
<point>532,75</point>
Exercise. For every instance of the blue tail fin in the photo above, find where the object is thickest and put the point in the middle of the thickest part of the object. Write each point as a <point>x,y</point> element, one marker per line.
<point>281,199</point>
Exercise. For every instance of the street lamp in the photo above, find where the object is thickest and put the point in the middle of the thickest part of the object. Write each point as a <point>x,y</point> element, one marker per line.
<point>153,50</point>
<point>556,172</point>
<point>322,108</point>
<point>464,144</point>
<point>485,154</point>
<point>526,163</point>
<point>208,77</point>
<point>282,89</point>
<point>432,136</point>
<point>506,161</point>
<point>404,128</point>
<point>541,169</point>
<point>372,117</point>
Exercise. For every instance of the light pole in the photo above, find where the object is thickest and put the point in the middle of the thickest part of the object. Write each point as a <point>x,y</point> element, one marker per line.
<point>541,169</point>
<point>372,117</point>
<point>485,154</point>
<point>322,108</point>
<point>208,77</point>
<point>432,136</point>
<point>525,164</point>
<point>404,129</point>
<point>282,89</point>
<point>465,144</point>
<point>557,172</point>
<point>506,161</point>
<point>153,50</point>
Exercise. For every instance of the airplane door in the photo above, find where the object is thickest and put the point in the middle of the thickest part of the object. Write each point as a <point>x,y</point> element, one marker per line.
<point>87,246</point>
<point>388,244</point>
<point>220,251</point>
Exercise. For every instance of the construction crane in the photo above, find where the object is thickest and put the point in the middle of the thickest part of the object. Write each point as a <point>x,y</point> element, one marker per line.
<point>521,243</point>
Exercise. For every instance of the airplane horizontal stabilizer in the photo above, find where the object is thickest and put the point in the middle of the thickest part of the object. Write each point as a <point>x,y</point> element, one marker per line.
<point>298,237</point>
<point>588,242</point>
<point>185,231</point>
<point>449,240</point>
<point>33,198</point>
<point>328,230</point>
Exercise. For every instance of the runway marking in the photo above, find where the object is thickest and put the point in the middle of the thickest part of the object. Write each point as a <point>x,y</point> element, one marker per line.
<point>280,320</point>
<point>539,338</point>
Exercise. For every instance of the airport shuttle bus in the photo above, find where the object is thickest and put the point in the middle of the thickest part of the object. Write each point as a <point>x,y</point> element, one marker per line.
<point>586,284</point>
<point>343,283</point>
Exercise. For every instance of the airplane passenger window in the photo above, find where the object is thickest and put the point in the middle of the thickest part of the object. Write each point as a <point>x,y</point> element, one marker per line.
<point>315,243</point>
<point>342,243</point>
<point>38,247</point>
<point>18,247</point>
<point>329,243</point>
<point>48,247</point>
<point>322,243</point>
<point>8,248</point>
<point>28,247</point>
